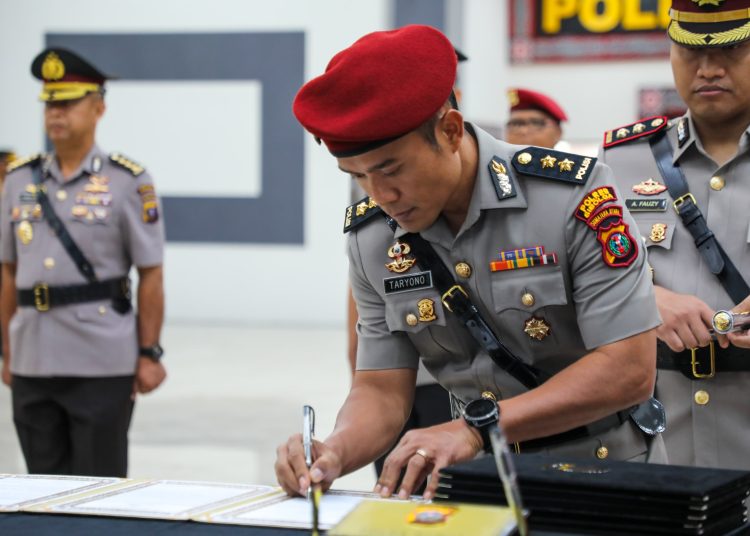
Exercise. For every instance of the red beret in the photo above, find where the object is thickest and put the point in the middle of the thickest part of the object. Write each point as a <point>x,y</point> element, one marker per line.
<point>709,23</point>
<point>525,99</point>
<point>383,86</point>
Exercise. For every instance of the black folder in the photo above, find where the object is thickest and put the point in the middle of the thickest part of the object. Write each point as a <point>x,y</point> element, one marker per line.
<point>609,497</point>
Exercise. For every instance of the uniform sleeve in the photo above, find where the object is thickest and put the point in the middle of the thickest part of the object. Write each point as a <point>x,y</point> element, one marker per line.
<point>144,226</point>
<point>377,347</point>
<point>612,287</point>
<point>7,238</point>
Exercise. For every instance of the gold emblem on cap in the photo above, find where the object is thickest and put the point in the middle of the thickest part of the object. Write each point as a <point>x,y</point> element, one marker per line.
<point>702,3</point>
<point>399,253</point>
<point>426,310</point>
<point>602,452</point>
<point>548,161</point>
<point>638,128</point>
<point>658,232</point>
<point>411,319</point>
<point>701,398</point>
<point>621,133</point>
<point>463,270</point>
<point>53,67</point>
<point>716,183</point>
<point>566,165</point>
<point>61,195</point>
<point>49,263</point>
<point>524,159</point>
<point>25,232</point>
<point>657,122</point>
<point>536,328</point>
<point>528,299</point>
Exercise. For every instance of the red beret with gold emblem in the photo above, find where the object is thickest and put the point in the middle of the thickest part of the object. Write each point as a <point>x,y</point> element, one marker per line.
<point>709,23</point>
<point>383,86</point>
<point>525,99</point>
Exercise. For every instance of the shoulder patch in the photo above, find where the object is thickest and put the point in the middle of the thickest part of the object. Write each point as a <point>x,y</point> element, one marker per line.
<point>25,161</point>
<point>125,162</point>
<point>360,212</point>
<point>639,129</point>
<point>555,165</point>
<point>501,179</point>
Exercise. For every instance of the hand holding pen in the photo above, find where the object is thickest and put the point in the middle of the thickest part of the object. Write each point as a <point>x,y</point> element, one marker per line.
<point>314,492</point>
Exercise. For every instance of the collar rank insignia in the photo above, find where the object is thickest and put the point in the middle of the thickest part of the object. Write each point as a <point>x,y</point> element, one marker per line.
<point>125,162</point>
<point>649,187</point>
<point>683,131</point>
<point>639,129</point>
<point>555,165</point>
<point>501,180</point>
<point>25,161</point>
<point>402,261</point>
<point>360,212</point>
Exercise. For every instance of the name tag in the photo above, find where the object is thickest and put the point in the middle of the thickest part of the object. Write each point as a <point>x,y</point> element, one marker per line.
<point>405,283</point>
<point>646,205</point>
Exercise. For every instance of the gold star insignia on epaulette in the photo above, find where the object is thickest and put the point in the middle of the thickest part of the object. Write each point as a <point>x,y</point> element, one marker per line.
<point>566,165</point>
<point>360,212</point>
<point>127,163</point>
<point>548,161</point>
<point>644,127</point>
<point>621,133</point>
<point>556,165</point>
<point>638,128</point>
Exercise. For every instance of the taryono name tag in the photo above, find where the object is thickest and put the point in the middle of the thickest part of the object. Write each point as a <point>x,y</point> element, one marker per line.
<point>405,283</point>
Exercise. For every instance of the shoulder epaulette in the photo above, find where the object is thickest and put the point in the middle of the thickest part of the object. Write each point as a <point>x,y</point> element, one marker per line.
<point>360,212</point>
<point>125,162</point>
<point>639,129</point>
<point>25,161</point>
<point>555,165</point>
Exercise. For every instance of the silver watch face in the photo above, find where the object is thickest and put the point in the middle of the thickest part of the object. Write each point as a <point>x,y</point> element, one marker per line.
<point>477,412</point>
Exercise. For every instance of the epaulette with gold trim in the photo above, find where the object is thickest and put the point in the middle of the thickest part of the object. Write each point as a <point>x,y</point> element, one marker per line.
<point>360,212</point>
<point>125,162</point>
<point>639,129</point>
<point>25,161</point>
<point>555,165</point>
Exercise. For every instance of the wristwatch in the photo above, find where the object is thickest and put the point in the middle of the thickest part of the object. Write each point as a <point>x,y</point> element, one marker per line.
<point>154,352</point>
<point>483,414</point>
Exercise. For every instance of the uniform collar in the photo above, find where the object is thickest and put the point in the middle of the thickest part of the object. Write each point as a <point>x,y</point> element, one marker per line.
<point>685,136</point>
<point>484,196</point>
<point>91,165</point>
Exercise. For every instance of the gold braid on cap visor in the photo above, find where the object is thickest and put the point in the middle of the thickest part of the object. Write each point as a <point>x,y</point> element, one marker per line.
<point>728,37</point>
<point>59,91</point>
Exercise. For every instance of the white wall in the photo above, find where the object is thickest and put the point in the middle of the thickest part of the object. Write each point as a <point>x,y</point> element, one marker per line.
<point>265,284</point>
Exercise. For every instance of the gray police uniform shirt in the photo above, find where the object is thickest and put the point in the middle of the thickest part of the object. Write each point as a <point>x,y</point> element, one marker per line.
<point>585,302</point>
<point>716,433</point>
<point>112,214</point>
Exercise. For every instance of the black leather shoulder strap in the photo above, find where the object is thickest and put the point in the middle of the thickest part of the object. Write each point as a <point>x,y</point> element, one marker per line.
<point>684,203</point>
<point>82,263</point>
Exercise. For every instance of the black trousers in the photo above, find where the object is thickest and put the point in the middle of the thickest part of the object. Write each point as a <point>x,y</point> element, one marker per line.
<point>432,406</point>
<point>73,426</point>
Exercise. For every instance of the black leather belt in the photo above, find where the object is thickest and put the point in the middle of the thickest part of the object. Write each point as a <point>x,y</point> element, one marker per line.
<point>42,297</point>
<point>590,430</point>
<point>703,363</point>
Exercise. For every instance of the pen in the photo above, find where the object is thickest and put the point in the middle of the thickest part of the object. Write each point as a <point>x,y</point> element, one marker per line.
<point>508,477</point>
<point>308,429</point>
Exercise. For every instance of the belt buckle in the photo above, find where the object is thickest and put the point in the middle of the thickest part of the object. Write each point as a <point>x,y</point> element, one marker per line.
<point>694,362</point>
<point>450,293</point>
<point>41,297</point>
<point>682,199</point>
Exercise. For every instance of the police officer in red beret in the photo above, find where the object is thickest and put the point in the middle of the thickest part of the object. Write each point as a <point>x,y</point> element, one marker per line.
<point>534,119</point>
<point>513,275</point>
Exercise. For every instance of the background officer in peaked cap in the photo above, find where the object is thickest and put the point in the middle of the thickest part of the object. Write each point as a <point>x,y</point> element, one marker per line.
<point>73,223</point>
<point>687,184</point>
<point>535,119</point>
<point>6,158</point>
<point>534,238</point>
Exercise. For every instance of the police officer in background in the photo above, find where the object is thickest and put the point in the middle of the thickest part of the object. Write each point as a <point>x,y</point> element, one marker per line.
<point>686,182</point>
<point>512,274</point>
<point>535,119</point>
<point>73,223</point>
<point>6,158</point>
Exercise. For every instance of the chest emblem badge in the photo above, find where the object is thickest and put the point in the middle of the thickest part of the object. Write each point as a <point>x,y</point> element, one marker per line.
<point>536,328</point>
<point>25,232</point>
<point>649,187</point>
<point>402,261</point>
<point>426,309</point>
<point>658,232</point>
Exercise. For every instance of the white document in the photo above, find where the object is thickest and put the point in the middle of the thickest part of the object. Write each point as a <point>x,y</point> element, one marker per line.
<point>295,512</point>
<point>19,491</point>
<point>162,499</point>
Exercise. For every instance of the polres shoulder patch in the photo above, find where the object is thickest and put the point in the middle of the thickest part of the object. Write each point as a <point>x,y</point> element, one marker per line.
<point>555,165</point>
<point>360,212</point>
<point>124,162</point>
<point>25,161</point>
<point>639,129</point>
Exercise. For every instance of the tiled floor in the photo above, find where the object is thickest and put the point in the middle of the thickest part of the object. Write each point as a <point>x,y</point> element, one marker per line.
<point>232,395</point>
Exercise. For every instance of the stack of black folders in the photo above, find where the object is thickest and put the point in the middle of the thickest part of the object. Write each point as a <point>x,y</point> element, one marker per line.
<point>609,497</point>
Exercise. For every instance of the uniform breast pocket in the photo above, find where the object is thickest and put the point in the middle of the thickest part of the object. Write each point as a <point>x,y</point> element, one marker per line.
<point>413,312</point>
<point>528,289</point>
<point>84,233</point>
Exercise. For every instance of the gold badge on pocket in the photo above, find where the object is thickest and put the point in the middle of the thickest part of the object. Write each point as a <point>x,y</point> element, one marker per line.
<point>25,232</point>
<point>658,232</point>
<point>426,310</point>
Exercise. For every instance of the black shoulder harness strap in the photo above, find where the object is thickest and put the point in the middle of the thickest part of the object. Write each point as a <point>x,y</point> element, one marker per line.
<point>82,263</point>
<point>684,204</point>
